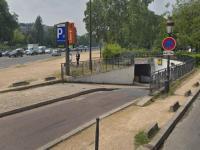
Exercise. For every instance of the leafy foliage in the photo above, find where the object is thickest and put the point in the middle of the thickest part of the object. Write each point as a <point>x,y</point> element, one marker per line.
<point>18,37</point>
<point>38,31</point>
<point>112,50</point>
<point>8,22</point>
<point>127,22</point>
<point>187,22</point>
<point>196,56</point>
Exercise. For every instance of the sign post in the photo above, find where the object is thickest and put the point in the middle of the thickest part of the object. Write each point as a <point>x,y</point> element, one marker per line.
<point>168,44</point>
<point>66,35</point>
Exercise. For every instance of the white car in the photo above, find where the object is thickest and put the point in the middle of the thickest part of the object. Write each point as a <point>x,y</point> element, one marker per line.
<point>31,52</point>
<point>47,51</point>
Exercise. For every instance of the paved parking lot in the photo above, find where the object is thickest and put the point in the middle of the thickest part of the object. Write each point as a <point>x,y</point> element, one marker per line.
<point>6,62</point>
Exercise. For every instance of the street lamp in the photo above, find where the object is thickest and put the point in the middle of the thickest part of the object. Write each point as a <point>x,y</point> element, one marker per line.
<point>90,63</point>
<point>170,26</point>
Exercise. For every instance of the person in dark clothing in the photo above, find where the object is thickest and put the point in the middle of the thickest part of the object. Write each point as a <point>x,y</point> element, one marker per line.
<point>77,58</point>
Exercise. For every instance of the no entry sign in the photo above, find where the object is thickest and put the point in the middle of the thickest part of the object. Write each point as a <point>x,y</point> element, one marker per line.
<point>169,44</point>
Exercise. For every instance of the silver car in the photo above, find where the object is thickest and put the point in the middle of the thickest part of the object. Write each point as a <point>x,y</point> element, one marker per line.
<point>56,53</point>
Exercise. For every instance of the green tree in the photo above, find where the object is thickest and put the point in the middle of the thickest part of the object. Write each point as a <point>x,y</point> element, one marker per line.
<point>98,26</point>
<point>19,37</point>
<point>8,22</point>
<point>186,16</point>
<point>127,22</point>
<point>38,31</point>
<point>50,37</point>
<point>83,40</point>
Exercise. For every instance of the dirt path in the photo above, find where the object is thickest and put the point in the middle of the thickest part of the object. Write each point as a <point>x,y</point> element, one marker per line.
<point>117,132</point>
<point>36,70</point>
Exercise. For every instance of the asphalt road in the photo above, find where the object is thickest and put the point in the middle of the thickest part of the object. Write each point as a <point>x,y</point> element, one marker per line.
<point>6,62</point>
<point>32,129</point>
<point>186,135</point>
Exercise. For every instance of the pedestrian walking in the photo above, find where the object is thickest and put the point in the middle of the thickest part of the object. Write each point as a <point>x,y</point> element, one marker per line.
<point>77,58</point>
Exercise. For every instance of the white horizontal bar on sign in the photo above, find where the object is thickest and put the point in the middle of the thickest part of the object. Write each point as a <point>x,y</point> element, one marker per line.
<point>168,53</point>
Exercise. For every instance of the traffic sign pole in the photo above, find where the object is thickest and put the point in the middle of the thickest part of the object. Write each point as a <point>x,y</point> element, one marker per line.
<point>67,66</point>
<point>168,75</point>
<point>66,35</point>
<point>168,44</point>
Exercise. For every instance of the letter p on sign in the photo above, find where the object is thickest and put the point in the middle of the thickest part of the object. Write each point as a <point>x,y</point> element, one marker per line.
<point>59,33</point>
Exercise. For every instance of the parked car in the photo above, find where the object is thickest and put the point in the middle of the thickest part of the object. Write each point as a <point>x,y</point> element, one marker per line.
<point>63,49</point>
<point>41,49</point>
<point>47,51</point>
<point>1,54</point>
<point>16,53</point>
<point>56,53</point>
<point>31,52</point>
<point>5,53</point>
<point>80,48</point>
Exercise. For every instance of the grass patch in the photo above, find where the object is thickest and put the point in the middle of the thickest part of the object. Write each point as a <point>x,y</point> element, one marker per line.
<point>141,139</point>
<point>176,84</point>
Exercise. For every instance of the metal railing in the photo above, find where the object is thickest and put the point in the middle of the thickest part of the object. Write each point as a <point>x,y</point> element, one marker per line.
<point>158,78</point>
<point>98,65</point>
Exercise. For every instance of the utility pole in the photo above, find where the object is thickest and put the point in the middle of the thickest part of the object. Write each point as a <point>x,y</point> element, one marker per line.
<point>67,67</point>
<point>90,64</point>
<point>170,25</point>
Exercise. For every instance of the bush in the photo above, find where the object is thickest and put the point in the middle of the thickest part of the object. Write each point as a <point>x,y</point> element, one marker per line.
<point>4,46</point>
<point>112,50</point>
<point>196,56</point>
<point>11,47</point>
<point>141,139</point>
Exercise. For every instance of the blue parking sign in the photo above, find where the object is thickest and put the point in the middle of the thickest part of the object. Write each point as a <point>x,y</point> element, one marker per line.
<point>61,34</point>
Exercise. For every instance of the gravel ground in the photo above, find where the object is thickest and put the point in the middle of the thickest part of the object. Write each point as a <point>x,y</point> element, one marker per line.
<point>36,70</point>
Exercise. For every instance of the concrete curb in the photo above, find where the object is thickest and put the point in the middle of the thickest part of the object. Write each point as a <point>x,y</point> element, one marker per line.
<point>83,127</point>
<point>31,86</point>
<point>142,102</point>
<point>159,139</point>
<point>30,107</point>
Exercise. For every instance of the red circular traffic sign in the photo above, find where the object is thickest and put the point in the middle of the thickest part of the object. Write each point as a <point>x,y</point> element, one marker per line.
<point>169,44</point>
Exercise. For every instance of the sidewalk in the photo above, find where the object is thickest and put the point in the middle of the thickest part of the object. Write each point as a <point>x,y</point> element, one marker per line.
<point>18,99</point>
<point>117,132</point>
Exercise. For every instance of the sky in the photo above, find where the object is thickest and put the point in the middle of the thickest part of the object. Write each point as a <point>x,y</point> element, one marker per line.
<point>56,11</point>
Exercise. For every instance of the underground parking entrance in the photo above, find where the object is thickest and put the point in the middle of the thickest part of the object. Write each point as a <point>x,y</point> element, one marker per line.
<point>142,73</point>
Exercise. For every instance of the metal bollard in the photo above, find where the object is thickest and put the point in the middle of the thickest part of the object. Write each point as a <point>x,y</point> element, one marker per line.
<point>97,135</point>
<point>62,73</point>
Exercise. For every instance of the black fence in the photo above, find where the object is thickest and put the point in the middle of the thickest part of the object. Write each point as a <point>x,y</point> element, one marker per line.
<point>98,66</point>
<point>158,78</point>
